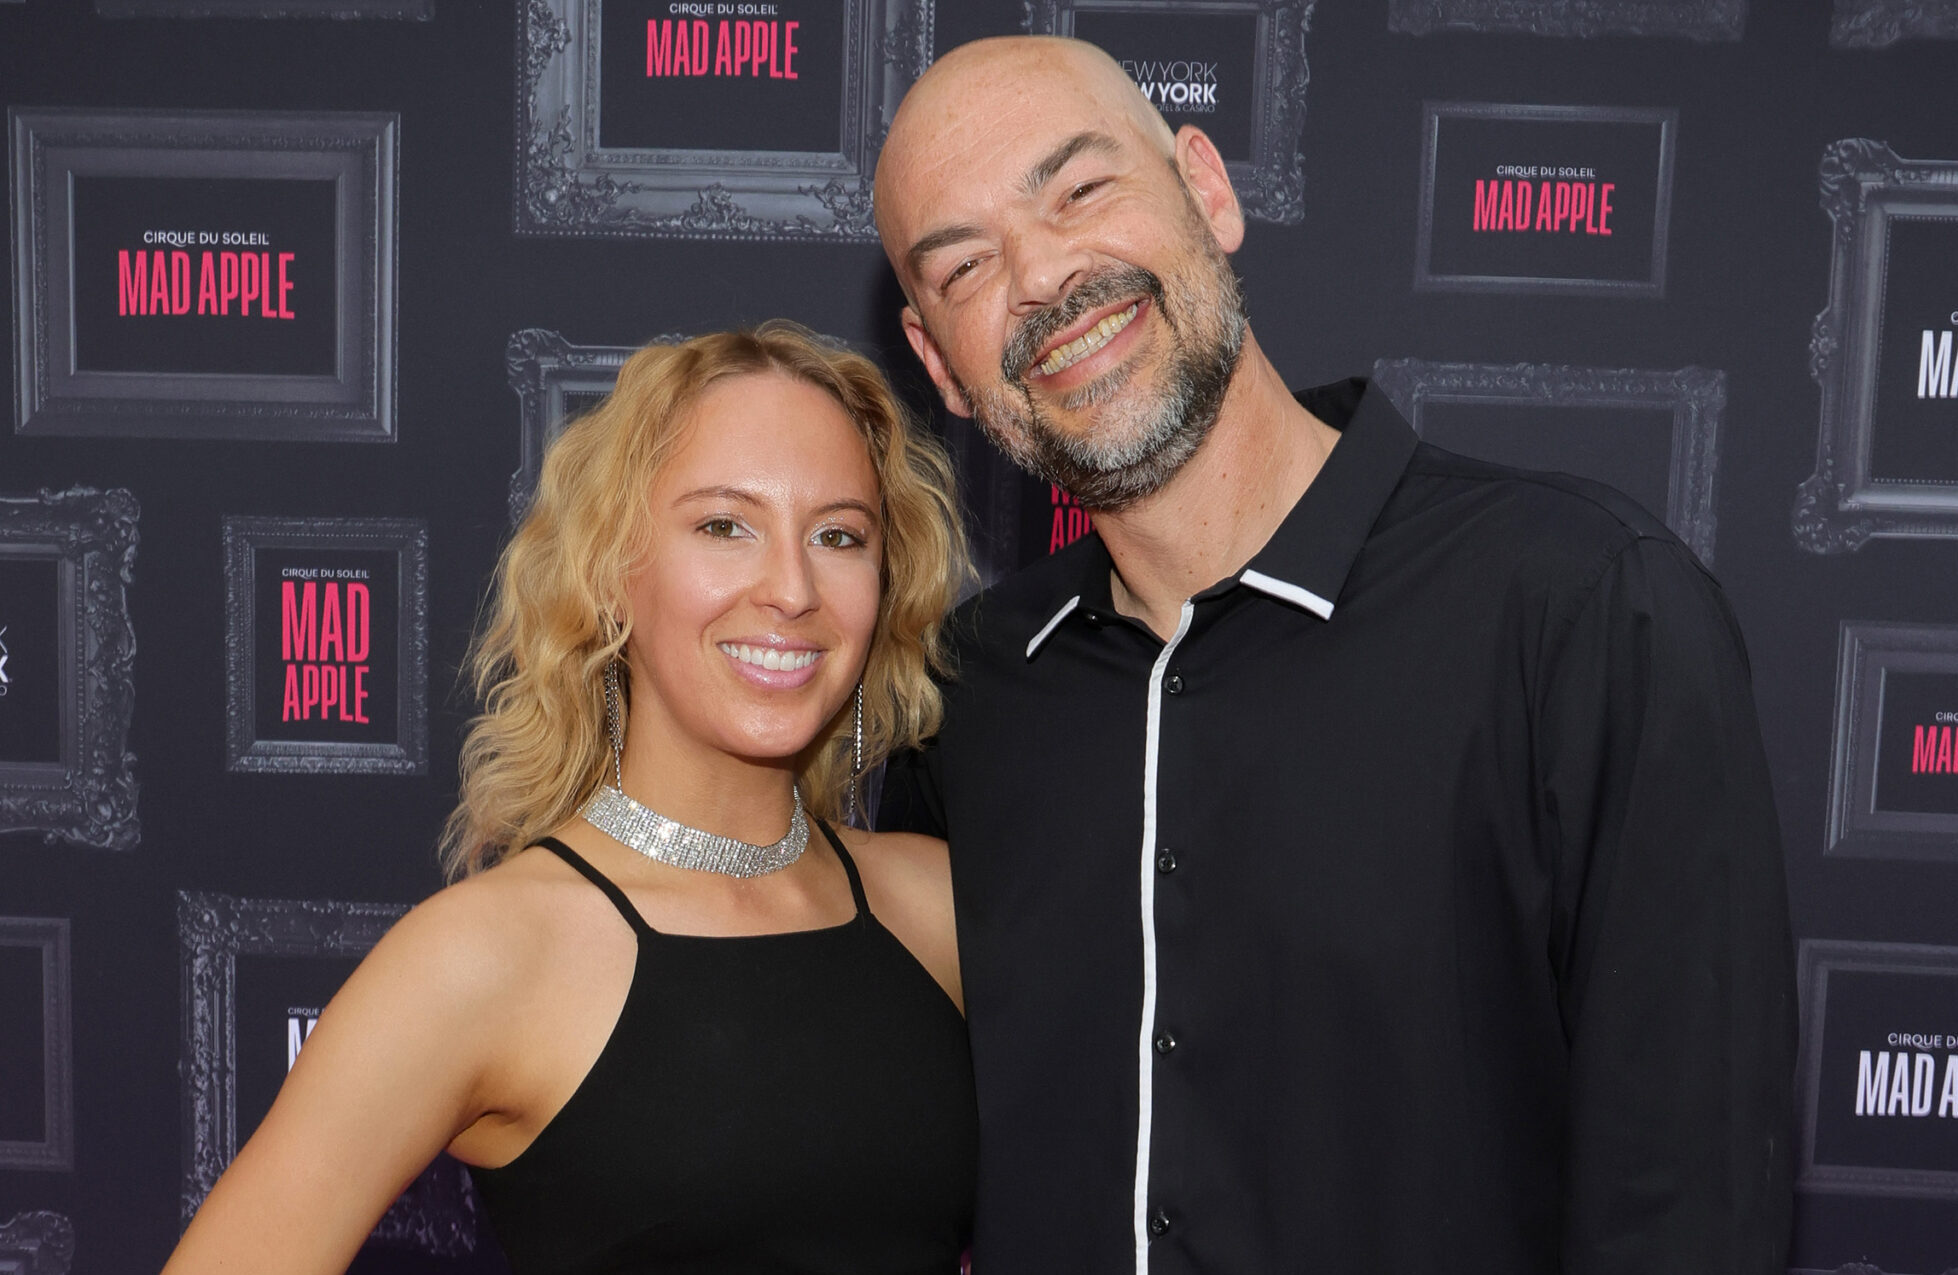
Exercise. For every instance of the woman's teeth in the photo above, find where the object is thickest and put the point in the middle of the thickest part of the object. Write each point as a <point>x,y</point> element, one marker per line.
<point>769,657</point>
<point>1088,342</point>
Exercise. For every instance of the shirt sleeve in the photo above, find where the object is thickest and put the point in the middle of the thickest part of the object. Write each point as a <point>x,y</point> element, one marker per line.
<point>910,801</point>
<point>1670,929</point>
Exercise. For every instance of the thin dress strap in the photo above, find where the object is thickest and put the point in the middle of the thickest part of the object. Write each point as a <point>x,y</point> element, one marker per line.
<point>604,883</point>
<point>849,866</point>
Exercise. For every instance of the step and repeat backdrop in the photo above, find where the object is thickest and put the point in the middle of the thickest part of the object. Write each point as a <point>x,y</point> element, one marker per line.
<point>301,289</point>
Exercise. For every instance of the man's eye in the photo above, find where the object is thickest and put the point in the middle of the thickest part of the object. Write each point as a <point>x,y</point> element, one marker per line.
<point>1082,190</point>
<point>838,538</point>
<point>959,271</point>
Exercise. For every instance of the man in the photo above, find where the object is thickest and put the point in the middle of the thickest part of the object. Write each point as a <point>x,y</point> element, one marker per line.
<point>1364,856</point>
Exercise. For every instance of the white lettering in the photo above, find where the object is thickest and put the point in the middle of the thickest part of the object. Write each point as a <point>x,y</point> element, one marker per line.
<point>1948,1096</point>
<point>1871,1081</point>
<point>1934,379</point>
<point>1899,1100</point>
<point>1926,1075</point>
<point>298,1028</point>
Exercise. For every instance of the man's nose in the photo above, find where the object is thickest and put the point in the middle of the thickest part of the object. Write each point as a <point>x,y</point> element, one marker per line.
<point>1044,265</point>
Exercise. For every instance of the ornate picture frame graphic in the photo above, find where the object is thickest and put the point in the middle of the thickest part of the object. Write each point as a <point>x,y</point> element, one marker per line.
<point>567,184</point>
<point>213,930</point>
<point>89,796</point>
<point>1840,507</point>
<point>55,1150</point>
<point>1271,184</point>
<point>1581,19</point>
<point>1652,287</point>
<point>357,151</point>
<point>37,1243</point>
<point>1856,828</point>
<point>407,538</point>
<point>549,375</point>
<point>407,10</point>
<point>1817,960</point>
<point>1878,24</point>
<point>1696,397</point>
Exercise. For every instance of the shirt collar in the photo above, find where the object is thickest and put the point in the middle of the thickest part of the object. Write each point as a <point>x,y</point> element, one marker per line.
<point>1306,561</point>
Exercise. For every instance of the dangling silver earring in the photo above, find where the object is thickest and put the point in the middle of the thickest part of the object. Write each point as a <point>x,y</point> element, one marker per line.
<point>856,760</point>
<point>615,723</point>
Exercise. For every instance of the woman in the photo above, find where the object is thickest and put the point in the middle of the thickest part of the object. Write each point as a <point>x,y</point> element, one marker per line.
<point>730,1054</point>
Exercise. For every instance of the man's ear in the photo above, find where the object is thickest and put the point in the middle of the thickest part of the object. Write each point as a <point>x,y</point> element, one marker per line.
<point>1210,182</point>
<point>933,358</point>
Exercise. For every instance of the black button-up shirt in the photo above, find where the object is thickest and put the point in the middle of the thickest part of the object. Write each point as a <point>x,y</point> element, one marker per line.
<point>1416,907</point>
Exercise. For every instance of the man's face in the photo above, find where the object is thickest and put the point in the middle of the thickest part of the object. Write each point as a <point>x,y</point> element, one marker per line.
<point>1070,291</point>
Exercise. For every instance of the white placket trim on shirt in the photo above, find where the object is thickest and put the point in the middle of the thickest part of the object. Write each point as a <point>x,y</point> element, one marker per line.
<point>1146,1046</point>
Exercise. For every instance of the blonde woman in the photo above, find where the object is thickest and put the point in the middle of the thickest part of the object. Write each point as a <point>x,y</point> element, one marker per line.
<point>672,1017</point>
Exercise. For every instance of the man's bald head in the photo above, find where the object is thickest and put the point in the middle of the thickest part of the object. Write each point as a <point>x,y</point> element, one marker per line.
<point>1065,259</point>
<point>978,87</point>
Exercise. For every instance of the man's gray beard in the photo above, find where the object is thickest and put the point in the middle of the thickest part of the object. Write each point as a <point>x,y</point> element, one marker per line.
<point>1135,446</point>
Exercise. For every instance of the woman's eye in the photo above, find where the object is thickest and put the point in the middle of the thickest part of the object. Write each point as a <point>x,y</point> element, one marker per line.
<point>721,528</point>
<point>838,538</point>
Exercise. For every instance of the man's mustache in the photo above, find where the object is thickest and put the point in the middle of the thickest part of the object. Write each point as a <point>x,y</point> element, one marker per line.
<point>1037,331</point>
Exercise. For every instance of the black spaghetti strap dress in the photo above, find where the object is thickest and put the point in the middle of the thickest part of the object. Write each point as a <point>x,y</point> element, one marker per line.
<point>796,1102</point>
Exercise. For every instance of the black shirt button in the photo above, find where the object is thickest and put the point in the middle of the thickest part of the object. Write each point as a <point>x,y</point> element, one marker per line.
<point>1175,684</point>
<point>1165,863</point>
<point>1164,1042</point>
<point>1158,1223</point>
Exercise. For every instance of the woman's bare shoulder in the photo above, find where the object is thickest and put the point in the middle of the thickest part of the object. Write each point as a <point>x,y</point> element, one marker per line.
<point>908,879</point>
<point>913,857</point>
<point>488,933</point>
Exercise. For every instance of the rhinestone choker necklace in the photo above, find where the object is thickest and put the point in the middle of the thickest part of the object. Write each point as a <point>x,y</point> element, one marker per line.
<point>669,841</point>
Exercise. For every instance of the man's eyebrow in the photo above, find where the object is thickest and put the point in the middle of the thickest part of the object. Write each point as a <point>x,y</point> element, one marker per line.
<point>943,237</point>
<point>1043,172</point>
<point>1037,176</point>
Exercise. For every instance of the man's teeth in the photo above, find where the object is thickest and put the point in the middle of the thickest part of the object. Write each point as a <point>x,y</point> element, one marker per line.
<point>770,658</point>
<point>1088,342</point>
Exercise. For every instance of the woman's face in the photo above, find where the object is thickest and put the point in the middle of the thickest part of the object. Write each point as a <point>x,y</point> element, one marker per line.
<point>753,612</point>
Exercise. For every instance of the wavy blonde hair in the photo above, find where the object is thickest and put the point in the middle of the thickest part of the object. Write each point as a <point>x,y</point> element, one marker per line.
<point>539,748</point>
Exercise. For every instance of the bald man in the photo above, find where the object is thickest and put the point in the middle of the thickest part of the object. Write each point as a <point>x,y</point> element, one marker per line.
<point>1364,856</point>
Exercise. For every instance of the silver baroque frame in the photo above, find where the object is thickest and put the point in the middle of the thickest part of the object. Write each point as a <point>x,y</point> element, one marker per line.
<point>38,1243</point>
<point>1856,828</point>
<point>213,930</point>
<point>567,184</point>
<point>545,370</point>
<point>357,151</point>
<point>1432,113</point>
<point>1271,184</point>
<point>1695,395</point>
<point>411,10</point>
<point>1840,507</point>
<point>89,797</point>
<point>1584,19</point>
<point>1817,960</point>
<point>244,751</point>
<point>1877,24</point>
<point>56,1149</point>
